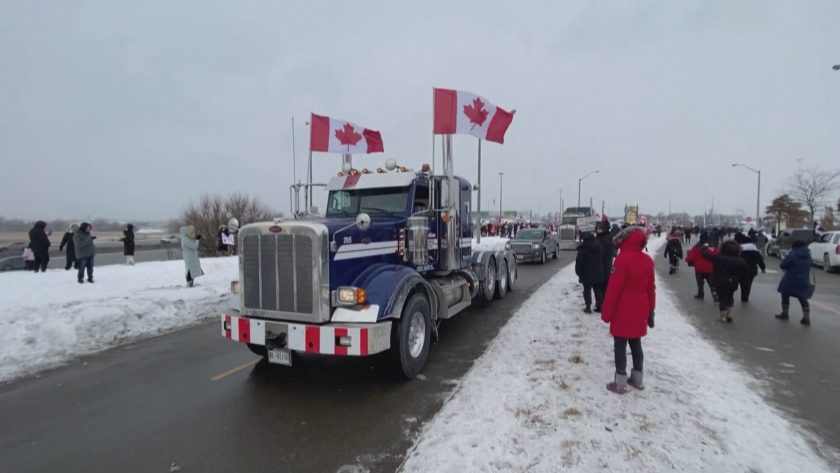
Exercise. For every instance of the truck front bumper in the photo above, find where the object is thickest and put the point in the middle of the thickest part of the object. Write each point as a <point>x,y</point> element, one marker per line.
<point>344,339</point>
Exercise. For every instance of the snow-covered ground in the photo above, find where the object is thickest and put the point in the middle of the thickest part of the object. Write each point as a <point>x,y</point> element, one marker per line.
<point>48,318</point>
<point>536,401</point>
<point>489,243</point>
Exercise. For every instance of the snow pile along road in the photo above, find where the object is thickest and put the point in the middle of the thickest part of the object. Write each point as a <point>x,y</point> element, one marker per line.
<point>492,243</point>
<point>536,401</point>
<point>48,318</point>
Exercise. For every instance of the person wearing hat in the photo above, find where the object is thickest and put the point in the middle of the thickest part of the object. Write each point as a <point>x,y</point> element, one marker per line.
<point>752,255</point>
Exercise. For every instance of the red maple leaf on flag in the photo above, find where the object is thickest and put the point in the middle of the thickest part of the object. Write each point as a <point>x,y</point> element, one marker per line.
<point>476,112</point>
<point>347,136</point>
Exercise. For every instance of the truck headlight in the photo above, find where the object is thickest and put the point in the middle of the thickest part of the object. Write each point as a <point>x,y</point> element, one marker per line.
<point>536,246</point>
<point>234,287</point>
<point>349,295</point>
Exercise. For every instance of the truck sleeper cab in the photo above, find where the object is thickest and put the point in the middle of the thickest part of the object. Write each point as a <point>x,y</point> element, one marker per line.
<point>377,273</point>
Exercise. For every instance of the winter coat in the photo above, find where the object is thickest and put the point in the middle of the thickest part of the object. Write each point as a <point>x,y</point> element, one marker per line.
<point>589,264</point>
<point>674,247</point>
<point>729,270</point>
<point>607,252</point>
<point>631,294</point>
<point>128,240</point>
<point>701,265</point>
<point>753,258</point>
<point>189,247</point>
<point>39,242</point>
<point>761,241</point>
<point>67,241</point>
<point>83,241</point>
<point>796,281</point>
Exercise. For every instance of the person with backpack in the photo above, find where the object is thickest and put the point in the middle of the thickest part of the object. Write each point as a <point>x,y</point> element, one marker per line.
<point>629,306</point>
<point>703,269</point>
<point>730,272</point>
<point>796,282</point>
<point>754,261</point>
<point>674,252</point>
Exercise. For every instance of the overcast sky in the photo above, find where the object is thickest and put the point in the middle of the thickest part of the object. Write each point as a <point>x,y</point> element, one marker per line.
<point>126,110</point>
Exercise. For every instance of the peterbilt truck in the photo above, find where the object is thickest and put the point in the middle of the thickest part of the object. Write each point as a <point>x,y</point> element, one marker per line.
<point>388,261</point>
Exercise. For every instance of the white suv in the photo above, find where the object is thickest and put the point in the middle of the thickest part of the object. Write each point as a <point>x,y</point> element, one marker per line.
<point>826,251</point>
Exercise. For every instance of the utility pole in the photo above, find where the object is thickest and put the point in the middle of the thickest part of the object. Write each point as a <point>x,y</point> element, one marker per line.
<point>501,212</point>
<point>561,203</point>
<point>581,180</point>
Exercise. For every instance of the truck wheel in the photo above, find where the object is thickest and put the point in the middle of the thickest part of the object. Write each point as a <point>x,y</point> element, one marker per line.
<point>258,350</point>
<point>543,257</point>
<point>501,287</point>
<point>513,273</point>
<point>411,337</point>
<point>488,285</point>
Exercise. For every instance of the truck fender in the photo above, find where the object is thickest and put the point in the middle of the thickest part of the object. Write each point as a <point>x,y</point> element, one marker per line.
<point>389,285</point>
<point>405,288</point>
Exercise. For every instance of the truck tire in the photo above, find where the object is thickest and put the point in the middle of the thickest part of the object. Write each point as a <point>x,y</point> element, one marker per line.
<point>543,257</point>
<point>556,250</point>
<point>502,283</point>
<point>488,285</point>
<point>513,273</point>
<point>411,337</point>
<point>258,350</point>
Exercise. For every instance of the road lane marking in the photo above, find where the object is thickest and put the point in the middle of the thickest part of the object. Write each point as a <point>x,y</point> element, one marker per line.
<point>826,307</point>
<point>235,370</point>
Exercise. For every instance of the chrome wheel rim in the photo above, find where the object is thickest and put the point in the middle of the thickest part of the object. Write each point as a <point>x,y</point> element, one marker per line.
<point>416,334</point>
<point>503,277</point>
<point>491,278</point>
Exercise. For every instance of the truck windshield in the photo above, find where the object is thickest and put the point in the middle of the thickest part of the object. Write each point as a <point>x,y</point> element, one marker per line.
<point>388,200</point>
<point>529,235</point>
<point>570,220</point>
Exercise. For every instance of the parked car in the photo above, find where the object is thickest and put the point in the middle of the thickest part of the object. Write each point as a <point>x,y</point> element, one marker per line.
<point>534,244</point>
<point>170,239</point>
<point>12,263</point>
<point>16,247</point>
<point>826,251</point>
<point>786,238</point>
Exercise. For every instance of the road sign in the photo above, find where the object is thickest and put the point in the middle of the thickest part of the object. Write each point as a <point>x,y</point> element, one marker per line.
<point>748,219</point>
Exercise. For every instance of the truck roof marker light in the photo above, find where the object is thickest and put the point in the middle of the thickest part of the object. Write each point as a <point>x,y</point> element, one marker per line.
<point>426,168</point>
<point>445,218</point>
<point>379,170</point>
<point>340,174</point>
<point>402,168</point>
<point>365,171</point>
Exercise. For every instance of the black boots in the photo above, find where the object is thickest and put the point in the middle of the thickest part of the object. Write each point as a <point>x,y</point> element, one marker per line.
<point>785,315</point>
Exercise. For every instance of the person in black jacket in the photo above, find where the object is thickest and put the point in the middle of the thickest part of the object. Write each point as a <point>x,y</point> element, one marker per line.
<point>71,248</point>
<point>674,252</point>
<point>730,271</point>
<point>754,261</point>
<point>128,244</point>
<point>39,243</point>
<point>589,266</point>
<point>605,238</point>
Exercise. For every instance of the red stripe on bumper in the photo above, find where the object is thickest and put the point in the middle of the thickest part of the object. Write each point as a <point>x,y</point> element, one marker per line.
<point>244,330</point>
<point>363,347</point>
<point>313,340</point>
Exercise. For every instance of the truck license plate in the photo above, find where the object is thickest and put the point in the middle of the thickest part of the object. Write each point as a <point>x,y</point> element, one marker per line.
<point>280,356</point>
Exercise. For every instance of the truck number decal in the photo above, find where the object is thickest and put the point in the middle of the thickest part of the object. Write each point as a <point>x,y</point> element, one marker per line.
<point>348,240</point>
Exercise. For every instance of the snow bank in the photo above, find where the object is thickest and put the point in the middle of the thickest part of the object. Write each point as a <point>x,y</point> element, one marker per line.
<point>48,318</point>
<point>536,401</point>
<point>490,243</point>
<point>151,230</point>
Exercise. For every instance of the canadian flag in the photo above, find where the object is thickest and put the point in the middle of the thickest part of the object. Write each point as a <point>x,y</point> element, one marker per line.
<point>457,111</point>
<point>330,135</point>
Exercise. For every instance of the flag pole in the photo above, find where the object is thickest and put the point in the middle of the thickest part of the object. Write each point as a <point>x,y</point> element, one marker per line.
<point>478,222</point>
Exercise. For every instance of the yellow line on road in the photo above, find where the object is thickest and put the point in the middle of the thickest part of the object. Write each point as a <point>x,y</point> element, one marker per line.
<point>235,370</point>
<point>826,307</point>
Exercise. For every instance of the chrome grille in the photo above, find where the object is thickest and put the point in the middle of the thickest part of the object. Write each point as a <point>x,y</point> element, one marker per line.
<point>277,273</point>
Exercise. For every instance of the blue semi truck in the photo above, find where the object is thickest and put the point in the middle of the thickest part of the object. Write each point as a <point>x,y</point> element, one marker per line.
<point>388,261</point>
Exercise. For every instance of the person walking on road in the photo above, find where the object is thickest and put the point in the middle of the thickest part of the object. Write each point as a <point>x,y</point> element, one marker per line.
<point>629,306</point>
<point>687,235</point>
<point>761,242</point>
<point>85,251</point>
<point>795,282</point>
<point>128,244</point>
<point>605,238</point>
<point>189,248</point>
<point>589,266</point>
<point>39,242</point>
<point>703,269</point>
<point>67,241</point>
<point>754,261</point>
<point>674,252</point>
<point>730,272</point>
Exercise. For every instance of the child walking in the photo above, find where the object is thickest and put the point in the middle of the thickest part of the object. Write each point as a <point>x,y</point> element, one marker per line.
<point>629,306</point>
<point>674,252</point>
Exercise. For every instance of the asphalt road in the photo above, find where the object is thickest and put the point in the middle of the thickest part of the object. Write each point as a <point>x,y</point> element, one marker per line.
<point>798,363</point>
<point>204,403</point>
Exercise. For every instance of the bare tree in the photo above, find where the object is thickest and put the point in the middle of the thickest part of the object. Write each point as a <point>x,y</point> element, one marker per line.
<point>813,187</point>
<point>212,211</point>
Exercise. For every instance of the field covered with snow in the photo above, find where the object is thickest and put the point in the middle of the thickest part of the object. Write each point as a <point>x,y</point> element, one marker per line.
<point>536,401</point>
<point>48,318</point>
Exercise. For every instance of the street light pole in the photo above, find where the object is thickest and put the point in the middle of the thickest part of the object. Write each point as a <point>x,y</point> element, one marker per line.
<point>560,215</point>
<point>758,193</point>
<point>501,213</point>
<point>580,181</point>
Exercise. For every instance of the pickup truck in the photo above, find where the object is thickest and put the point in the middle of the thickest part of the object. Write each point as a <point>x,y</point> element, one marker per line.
<point>534,244</point>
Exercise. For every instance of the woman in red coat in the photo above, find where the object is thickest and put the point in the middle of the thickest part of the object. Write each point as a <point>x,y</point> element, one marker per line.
<point>629,304</point>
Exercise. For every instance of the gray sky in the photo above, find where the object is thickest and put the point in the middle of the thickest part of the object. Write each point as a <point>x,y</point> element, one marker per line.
<point>127,109</point>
